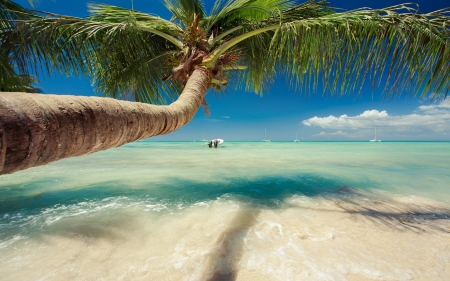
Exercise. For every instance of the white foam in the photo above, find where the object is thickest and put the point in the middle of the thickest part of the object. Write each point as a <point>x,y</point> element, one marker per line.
<point>155,207</point>
<point>273,225</point>
<point>11,241</point>
<point>203,204</point>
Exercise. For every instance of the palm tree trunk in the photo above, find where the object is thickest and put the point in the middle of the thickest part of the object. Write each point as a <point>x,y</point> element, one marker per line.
<point>38,129</point>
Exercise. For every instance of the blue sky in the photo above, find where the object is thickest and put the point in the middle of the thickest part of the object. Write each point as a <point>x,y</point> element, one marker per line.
<point>241,115</point>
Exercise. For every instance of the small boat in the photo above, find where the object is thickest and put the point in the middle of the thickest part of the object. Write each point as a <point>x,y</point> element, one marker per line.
<point>265,137</point>
<point>215,143</point>
<point>296,138</point>
<point>375,139</point>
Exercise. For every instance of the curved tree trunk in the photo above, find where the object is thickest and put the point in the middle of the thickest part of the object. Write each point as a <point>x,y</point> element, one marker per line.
<point>38,129</point>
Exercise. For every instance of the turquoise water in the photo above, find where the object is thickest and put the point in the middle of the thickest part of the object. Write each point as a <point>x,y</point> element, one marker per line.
<point>243,211</point>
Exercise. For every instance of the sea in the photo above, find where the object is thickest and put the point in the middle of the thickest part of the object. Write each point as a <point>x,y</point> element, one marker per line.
<point>243,211</point>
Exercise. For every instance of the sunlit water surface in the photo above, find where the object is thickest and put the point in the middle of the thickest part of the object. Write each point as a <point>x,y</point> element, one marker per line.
<point>243,211</point>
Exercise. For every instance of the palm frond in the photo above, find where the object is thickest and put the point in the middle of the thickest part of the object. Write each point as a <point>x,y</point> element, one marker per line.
<point>342,50</point>
<point>10,81</point>
<point>129,52</point>
<point>32,2</point>
<point>229,13</point>
<point>308,9</point>
<point>8,76</point>
<point>77,46</point>
<point>9,12</point>
<point>184,11</point>
<point>112,14</point>
<point>138,79</point>
<point>260,70</point>
<point>249,28</point>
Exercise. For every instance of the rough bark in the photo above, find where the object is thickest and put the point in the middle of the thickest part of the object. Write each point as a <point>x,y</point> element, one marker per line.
<point>37,129</point>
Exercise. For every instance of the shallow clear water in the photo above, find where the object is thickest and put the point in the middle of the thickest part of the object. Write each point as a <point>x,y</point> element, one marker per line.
<point>243,211</point>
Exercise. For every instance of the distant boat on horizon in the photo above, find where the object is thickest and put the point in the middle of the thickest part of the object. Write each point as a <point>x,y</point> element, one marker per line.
<point>296,138</point>
<point>375,139</point>
<point>265,137</point>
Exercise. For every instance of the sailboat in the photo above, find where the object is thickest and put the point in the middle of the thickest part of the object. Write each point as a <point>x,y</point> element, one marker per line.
<point>265,137</point>
<point>296,138</point>
<point>375,139</point>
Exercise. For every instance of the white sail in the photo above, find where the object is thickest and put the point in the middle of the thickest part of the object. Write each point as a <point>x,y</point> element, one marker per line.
<point>265,137</point>
<point>375,139</point>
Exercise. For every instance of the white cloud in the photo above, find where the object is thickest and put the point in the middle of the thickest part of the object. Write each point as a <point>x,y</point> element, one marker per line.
<point>226,117</point>
<point>338,133</point>
<point>435,117</point>
<point>444,104</point>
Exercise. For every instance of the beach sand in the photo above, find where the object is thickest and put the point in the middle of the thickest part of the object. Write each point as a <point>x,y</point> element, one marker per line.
<point>359,236</point>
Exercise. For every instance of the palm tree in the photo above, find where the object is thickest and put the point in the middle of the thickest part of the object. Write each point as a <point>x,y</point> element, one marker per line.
<point>242,43</point>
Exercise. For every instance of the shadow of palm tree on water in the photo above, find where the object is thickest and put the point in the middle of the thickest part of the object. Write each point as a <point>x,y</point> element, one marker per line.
<point>227,253</point>
<point>382,211</point>
<point>388,212</point>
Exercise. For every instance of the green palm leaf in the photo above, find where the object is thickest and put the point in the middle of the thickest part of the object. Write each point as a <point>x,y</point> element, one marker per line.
<point>111,14</point>
<point>9,79</point>
<point>105,50</point>
<point>129,53</point>
<point>341,50</point>
<point>184,11</point>
<point>345,48</point>
<point>226,13</point>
